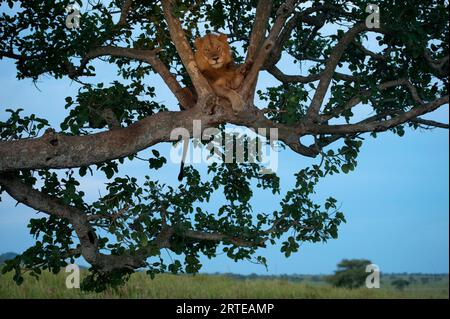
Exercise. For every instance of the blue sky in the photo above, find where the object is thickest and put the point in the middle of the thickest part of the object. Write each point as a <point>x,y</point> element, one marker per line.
<point>396,202</point>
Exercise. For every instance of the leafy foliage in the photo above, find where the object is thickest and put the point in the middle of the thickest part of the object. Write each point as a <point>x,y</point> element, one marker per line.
<point>135,210</point>
<point>350,273</point>
<point>400,283</point>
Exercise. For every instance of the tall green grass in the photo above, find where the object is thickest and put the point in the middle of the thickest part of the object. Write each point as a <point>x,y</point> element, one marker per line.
<point>207,286</point>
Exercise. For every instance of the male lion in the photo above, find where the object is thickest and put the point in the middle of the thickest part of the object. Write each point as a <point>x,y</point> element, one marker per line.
<point>215,62</point>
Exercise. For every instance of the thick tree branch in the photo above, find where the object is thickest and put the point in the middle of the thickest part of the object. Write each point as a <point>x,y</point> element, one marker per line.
<point>54,150</point>
<point>430,123</point>
<point>185,51</point>
<point>283,13</point>
<point>317,22</point>
<point>330,68</point>
<point>143,55</point>
<point>124,12</point>
<point>280,76</point>
<point>257,36</point>
<point>290,135</point>
<point>85,232</point>
<point>357,99</point>
<point>259,28</point>
<point>379,126</point>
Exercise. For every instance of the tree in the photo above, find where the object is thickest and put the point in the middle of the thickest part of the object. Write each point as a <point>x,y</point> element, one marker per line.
<point>402,78</point>
<point>7,256</point>
<point>351,273</point>
<point>400,284</point>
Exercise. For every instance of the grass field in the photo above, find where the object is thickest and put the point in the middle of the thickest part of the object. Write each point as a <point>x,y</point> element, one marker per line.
<point>215,286</point>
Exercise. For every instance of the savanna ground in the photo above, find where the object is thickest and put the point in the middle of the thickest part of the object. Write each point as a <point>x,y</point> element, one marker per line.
<point>224,286</point>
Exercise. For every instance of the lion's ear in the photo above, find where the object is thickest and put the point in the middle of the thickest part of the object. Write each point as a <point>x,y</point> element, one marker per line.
<point>223,37</point>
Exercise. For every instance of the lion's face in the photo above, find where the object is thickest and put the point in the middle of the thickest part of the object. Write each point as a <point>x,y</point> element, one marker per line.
<point>213,51</point>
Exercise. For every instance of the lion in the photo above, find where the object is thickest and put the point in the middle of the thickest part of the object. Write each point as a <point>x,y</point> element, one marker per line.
<point>214,60</point>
